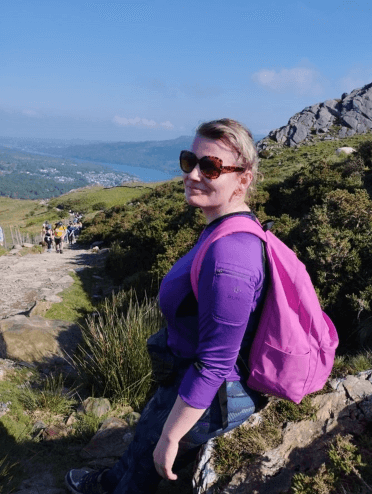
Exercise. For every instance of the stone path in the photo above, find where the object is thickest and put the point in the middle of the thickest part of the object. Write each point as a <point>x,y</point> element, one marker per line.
<point>36,277</point>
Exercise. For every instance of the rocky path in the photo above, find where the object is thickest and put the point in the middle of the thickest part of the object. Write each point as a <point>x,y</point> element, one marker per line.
<point>25,280</point>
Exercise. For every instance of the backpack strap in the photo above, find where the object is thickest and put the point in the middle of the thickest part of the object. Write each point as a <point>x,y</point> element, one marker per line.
<point>234,224</point>
<point>231,225</point>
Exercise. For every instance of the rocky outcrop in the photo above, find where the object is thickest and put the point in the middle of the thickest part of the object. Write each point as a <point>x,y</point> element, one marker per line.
<point>347,410</point>
<point>332,119</point>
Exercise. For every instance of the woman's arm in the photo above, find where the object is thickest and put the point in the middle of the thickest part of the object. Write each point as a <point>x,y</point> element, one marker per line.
<point>180,420</point>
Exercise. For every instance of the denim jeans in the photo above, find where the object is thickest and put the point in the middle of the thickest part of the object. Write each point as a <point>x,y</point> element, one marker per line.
<point>135,472</point>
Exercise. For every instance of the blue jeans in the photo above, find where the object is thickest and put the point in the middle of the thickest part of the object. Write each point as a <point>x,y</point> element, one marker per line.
<point>135,472</point>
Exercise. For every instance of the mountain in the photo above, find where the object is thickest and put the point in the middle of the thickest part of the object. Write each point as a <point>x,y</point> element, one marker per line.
<point>160,155</point>
<point>330,120</point>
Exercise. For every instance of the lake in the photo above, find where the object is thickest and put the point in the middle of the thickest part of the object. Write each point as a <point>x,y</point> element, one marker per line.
<point>143,174</point>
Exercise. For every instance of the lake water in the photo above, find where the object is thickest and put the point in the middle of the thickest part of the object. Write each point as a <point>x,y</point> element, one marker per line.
<point>143,174</point>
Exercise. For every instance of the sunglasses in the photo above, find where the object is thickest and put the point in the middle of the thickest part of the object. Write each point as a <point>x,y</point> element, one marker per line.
<point>210,166</point>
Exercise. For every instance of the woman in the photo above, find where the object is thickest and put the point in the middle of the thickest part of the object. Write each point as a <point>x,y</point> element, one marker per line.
<point>217,173</point>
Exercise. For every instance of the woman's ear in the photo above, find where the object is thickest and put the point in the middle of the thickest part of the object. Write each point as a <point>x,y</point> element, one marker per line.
<point>246,179</point>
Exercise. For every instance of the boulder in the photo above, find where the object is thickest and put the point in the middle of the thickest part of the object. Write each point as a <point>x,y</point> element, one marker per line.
<point>95,406</point>
<point>35,339</point>
<point>27,245</point>
<point>346,150</point>
<point>111,440</point>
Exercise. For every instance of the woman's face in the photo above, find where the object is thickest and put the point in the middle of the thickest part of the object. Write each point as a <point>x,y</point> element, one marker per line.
<point>219,196</point>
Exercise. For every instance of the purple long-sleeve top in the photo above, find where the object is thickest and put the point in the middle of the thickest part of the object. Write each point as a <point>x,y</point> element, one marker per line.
<point>213,330</point>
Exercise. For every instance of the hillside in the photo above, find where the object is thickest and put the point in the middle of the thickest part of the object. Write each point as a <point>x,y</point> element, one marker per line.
<point>33,176</point>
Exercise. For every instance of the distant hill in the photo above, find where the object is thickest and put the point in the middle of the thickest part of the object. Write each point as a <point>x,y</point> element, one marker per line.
<point>37,176</point>
<point>161,155</point>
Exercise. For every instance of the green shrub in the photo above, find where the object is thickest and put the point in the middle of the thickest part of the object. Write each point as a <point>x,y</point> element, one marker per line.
<point>98,206</point>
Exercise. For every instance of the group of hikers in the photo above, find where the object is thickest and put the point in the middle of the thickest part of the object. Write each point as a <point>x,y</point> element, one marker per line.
<point>60,233</point>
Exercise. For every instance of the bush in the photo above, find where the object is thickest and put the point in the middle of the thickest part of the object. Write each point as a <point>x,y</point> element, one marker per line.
<point>98,206</point>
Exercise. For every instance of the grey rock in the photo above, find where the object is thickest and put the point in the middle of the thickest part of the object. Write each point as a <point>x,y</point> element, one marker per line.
<point>38,426</point>
<point>132,418</point>
<point>353,113</point>
<point>95,406</point>
<point>35,339</point>
<point>111,440</point>
<point>357,388</point>
<point>299,133</point>
<point>4,407</point>
<point>324,119</point>
<point>304,444</point>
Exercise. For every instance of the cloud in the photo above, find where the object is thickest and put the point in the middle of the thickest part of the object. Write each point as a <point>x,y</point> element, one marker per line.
<point>167,125</point>
<point>141,122</point>
<point>356,78</point>
<point>298,80</point>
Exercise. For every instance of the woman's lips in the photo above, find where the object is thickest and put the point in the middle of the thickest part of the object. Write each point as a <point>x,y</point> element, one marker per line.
<point>194,189</point>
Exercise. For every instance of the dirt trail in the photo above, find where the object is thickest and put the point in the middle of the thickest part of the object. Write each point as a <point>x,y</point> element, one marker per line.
<point>33,277</point>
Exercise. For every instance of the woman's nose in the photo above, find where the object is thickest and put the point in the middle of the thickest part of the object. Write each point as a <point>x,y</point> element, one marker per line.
<point>195,173</point>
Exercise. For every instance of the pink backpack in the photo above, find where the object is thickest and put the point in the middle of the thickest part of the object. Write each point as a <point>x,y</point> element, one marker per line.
<point>294,346</point>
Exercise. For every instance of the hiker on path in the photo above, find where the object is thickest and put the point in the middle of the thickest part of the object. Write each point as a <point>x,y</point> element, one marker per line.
<point>59,234</point>
<point>1,237</point>
<point>71,233</point>
<point>48,237</point>
<point>44,228</point>
<point>204,337</point>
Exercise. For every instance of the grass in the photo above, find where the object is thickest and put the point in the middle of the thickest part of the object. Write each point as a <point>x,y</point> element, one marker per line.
<point>285,161</point>
<point>8,471</point>
<point>87,198</point>
<point>351,364</point>
<point>113,357</point>
<point>76,300</point>
<point>22,451</point>
<point>51,397</point>
<point>347,470</point>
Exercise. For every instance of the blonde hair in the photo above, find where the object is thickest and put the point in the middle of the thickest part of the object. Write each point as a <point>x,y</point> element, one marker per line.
<point>238,138</point>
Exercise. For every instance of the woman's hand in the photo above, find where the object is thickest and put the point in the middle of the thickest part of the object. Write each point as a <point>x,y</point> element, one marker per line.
<point>180,420</point>
<point>164,455</point>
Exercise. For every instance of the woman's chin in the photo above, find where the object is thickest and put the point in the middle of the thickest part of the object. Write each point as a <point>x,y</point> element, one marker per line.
<point>193,200</point>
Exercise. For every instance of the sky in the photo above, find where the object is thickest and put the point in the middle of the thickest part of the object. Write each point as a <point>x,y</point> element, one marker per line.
<point>155,69</point>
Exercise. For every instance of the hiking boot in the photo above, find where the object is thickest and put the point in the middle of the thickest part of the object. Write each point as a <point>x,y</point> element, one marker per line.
<point>61,251</point>
<point>83,481</point>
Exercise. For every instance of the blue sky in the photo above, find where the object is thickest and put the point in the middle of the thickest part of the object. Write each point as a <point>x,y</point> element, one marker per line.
<point>155,69</point>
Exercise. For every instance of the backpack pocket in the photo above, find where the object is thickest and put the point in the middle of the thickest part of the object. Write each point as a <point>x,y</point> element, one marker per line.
<point>279,373</point>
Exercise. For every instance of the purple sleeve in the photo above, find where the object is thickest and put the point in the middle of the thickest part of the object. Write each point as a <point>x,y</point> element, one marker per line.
<point>230,281</point>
